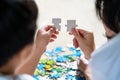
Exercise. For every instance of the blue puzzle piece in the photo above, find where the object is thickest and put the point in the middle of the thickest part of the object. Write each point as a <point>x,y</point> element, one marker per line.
<point>72,48</point>
<point>55,76</point>
<point>59,49</point>
<point>49,53</point>
<point>80,78</point>
<point>36,77</point>
<point>69,77</point>
<point>78,53</point>
<point>40,66</point>
<point>60,59</point>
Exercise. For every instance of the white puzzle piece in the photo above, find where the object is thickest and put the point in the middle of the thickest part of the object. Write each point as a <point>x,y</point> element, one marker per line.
<point>56,22</point>
<point>71,24</point>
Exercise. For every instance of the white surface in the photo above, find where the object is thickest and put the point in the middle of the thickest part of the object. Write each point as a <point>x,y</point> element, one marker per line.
<point>82,11</point>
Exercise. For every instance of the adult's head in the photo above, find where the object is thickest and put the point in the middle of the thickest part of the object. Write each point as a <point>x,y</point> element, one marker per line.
<point>17,27</point>
<point>109,13</point>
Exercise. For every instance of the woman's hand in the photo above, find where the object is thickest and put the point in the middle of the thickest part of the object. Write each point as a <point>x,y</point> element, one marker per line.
<point>84,40</point>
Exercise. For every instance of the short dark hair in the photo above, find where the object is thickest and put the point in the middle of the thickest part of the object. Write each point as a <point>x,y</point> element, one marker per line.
<point>17,27</point>
<point>109,13</point>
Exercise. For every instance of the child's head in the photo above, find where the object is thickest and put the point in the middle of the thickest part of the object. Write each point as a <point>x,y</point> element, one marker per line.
<point>109,12</point>
<point>17,27</point>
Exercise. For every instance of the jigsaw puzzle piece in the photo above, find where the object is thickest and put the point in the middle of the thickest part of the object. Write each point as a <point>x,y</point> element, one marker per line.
<point>71,24</point>
<point>56,22</point>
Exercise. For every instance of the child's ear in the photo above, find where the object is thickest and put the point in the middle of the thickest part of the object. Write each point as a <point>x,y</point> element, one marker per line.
<point>25,52</point>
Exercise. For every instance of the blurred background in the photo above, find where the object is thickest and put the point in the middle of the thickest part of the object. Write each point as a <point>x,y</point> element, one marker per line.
<point>83,11</point>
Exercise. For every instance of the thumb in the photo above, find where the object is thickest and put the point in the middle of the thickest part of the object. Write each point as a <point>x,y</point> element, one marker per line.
<point>51,30</point>
<point>77,35</point>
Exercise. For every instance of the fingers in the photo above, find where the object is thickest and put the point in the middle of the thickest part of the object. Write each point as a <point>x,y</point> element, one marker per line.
<point>56,32</point>
<point>51,40</point>
<point>54,36</point>
<point>75,43</point>
<point>77,35</point>
<point>86,34</point>
<point>51,29</point>
<point>52,32</point>
<point>48,27</point>
<point>81,31</point>
<point>71,33</point>
<point>74,32</point>
<point>82,64</point>
<point>81,34</point>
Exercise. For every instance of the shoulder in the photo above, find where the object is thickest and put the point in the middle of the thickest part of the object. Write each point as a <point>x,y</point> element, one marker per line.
<point>19,77</point>
<point>108,51</point>
<point>106,60</point>
<point>24,77</point>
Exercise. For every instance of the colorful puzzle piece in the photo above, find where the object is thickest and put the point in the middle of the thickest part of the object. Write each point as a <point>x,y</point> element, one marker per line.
<point>59,67</point>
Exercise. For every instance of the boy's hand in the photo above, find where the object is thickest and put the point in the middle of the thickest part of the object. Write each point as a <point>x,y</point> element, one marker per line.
<point>45,36</point>
<point>84,40</point>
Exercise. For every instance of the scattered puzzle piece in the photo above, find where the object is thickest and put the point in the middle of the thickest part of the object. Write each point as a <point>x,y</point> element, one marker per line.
<point>56,22</point>
<point>71,24</point>
<point>59,67</point>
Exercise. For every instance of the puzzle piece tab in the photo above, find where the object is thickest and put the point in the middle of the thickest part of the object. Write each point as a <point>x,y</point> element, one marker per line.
<point>56,22</point>
<point>71,24</point>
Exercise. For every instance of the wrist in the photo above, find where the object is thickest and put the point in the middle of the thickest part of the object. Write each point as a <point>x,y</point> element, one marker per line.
<point>88,52</point>
<point>39,48</point>
<point>87,73</point>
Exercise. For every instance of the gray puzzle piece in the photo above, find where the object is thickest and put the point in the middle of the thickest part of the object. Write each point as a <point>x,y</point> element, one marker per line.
<point>71,24</point>
<point>56,22</point>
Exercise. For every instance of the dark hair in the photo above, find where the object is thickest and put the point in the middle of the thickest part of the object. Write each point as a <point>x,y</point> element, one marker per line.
<point>17,27</point>
<point>109,12</point>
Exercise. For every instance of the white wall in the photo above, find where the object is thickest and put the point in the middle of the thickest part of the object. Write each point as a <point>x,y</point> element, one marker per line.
<point>82,11</point>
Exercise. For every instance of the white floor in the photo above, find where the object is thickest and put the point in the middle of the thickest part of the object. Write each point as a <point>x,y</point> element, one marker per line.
<point>82,11</point>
